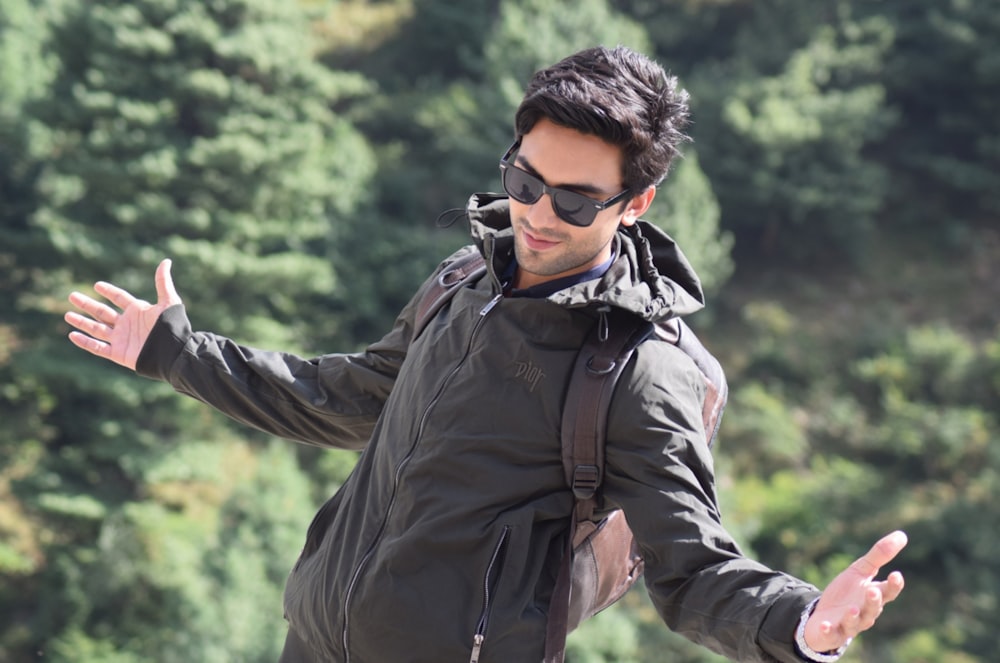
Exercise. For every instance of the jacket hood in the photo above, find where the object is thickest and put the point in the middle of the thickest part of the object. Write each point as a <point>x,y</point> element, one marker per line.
<point>650,277</point>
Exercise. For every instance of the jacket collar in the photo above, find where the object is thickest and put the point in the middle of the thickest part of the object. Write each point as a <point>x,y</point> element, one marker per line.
<point>651,277</point>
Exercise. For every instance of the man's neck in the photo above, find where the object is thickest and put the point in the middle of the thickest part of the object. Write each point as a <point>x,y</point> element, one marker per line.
<point>513,288</point>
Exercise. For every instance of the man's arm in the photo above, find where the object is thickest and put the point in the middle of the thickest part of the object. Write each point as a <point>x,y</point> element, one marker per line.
<point>330,400</point>
<point>333,400</point>
<point>119,336</point>
<point>660,471</point>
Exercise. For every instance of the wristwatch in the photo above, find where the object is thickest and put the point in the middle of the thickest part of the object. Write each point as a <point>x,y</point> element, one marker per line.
<point>804,650</point>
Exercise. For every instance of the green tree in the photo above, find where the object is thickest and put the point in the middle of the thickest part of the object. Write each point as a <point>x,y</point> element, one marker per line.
<point>944,151</point>
<point>25,400</point>
<point>883,433</point>
<point>205,132</point>
<point>926,406</point>
<point>687,209</point>
<point>447,36</point>
<point>786,142</point>
<point>789,101</point>
<point>23,74</point>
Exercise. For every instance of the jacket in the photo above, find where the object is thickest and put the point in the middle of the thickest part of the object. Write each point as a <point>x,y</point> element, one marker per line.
<point>447,536</point>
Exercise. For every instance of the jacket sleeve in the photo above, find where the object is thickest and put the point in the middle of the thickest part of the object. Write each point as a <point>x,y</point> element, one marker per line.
<point>333,400</point>
<point>659,471</point>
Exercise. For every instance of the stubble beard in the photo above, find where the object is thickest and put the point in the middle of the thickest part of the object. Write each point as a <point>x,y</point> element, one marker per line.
<point>565,257</point>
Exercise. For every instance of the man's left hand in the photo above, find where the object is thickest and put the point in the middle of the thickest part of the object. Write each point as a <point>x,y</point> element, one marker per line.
<point>854,600</point>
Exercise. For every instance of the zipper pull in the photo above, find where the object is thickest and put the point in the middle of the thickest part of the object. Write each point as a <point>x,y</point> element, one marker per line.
<point>490,304</point>
<point>477,645</point>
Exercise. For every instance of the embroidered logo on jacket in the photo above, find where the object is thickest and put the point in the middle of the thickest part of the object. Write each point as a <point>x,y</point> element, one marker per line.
<point>530,373</point>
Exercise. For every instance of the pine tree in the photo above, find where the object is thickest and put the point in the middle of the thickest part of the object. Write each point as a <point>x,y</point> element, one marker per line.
<point>203,131</point>
<point>786,129</point>
<point>25,400</point>
<point>206,132</point>
<point>943,75</point>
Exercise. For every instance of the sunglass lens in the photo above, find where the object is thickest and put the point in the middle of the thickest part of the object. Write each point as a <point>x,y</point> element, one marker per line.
<point>574,208</point>
<point>521,186</point>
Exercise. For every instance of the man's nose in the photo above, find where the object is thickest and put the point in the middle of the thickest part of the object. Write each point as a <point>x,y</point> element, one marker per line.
<point>543,213</point>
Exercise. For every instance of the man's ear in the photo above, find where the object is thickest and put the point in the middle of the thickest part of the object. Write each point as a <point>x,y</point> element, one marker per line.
<point>638,205</point>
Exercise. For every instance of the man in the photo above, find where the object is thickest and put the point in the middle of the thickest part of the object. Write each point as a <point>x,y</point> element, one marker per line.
<point>443,545</point>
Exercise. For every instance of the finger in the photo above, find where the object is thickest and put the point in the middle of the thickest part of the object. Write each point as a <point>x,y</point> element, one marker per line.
<point>91,345</point>
<point>880,554</point>
<point>88,326</point>
<point>892,586</point>
<point>871,609</point>
<point>165,291</point>
<point>120,298</point>
<point>828,637</point>
<point>96,309</point>
<point>851,624</point>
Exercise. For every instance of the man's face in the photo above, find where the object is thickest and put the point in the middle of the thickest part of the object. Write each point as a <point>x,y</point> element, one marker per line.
<point>547,247</point>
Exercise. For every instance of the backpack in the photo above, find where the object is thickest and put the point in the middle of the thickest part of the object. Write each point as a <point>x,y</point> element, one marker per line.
<point>602,559</point>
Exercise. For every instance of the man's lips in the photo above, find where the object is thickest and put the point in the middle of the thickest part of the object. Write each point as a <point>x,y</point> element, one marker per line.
<point>537,243</point>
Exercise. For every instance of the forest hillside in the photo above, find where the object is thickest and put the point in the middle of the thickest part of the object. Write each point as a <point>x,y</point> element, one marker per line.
<point>840,199</point>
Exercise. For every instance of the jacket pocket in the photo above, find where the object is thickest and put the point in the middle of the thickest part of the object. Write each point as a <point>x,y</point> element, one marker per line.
<point>491,580</point>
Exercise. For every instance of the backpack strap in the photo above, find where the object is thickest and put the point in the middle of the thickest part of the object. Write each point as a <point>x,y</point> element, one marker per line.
<point>601,360</point>
<point>465,269</point>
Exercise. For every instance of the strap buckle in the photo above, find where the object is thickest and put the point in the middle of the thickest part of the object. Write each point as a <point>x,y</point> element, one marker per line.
<point>585,481</point>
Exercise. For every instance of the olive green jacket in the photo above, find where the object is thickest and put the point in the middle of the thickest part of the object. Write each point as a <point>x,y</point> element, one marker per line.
<point>450,529</point>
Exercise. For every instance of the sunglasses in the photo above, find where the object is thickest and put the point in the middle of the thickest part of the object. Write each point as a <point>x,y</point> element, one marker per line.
<point>574,208</point>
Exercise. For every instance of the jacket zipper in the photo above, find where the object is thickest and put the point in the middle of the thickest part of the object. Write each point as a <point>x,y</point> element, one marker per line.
<point>349,595</point>
<point>492,574</point>
<point>490,304</point>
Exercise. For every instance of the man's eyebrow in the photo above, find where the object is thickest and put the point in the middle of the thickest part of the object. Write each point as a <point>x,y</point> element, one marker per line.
<point>580,188</point>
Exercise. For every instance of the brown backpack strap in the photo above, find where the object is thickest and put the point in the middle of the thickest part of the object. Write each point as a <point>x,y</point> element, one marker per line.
<point>600,362</point>
<point>558,620</point>
<point>463,270</point>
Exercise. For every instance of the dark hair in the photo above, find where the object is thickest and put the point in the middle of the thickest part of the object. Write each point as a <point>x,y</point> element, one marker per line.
<point>620,96</point>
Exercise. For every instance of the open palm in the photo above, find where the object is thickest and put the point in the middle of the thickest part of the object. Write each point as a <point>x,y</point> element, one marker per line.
<point>118,335</point>
<point>854,600</point>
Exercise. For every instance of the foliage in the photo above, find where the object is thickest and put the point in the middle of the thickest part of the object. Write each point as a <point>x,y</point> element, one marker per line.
<point>24,74</point>
<point>292,159</point>
<point>687,209</point>
<point>205,132</point>
<point>25,398</point>
<point>899,437</point>
<point>943,74</point>
<point>787,142</point>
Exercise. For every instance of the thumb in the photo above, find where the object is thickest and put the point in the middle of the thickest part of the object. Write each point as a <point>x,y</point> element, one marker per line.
<point>881,553</point>
<point>166,294</point>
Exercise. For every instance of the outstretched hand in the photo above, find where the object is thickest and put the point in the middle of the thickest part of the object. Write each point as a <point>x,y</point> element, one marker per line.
<point>854,600</point>
<point>119,335</point>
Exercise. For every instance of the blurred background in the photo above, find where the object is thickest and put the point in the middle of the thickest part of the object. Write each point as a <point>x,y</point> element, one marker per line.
<point>840,200</point>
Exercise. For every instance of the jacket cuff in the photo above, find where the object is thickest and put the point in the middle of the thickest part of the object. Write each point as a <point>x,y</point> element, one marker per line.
<point>803,648</point>
<point>777,633</point>
<point>164,344</point>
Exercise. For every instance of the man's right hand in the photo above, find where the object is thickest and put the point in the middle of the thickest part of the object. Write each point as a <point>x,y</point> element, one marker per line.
<point>119,335</point>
